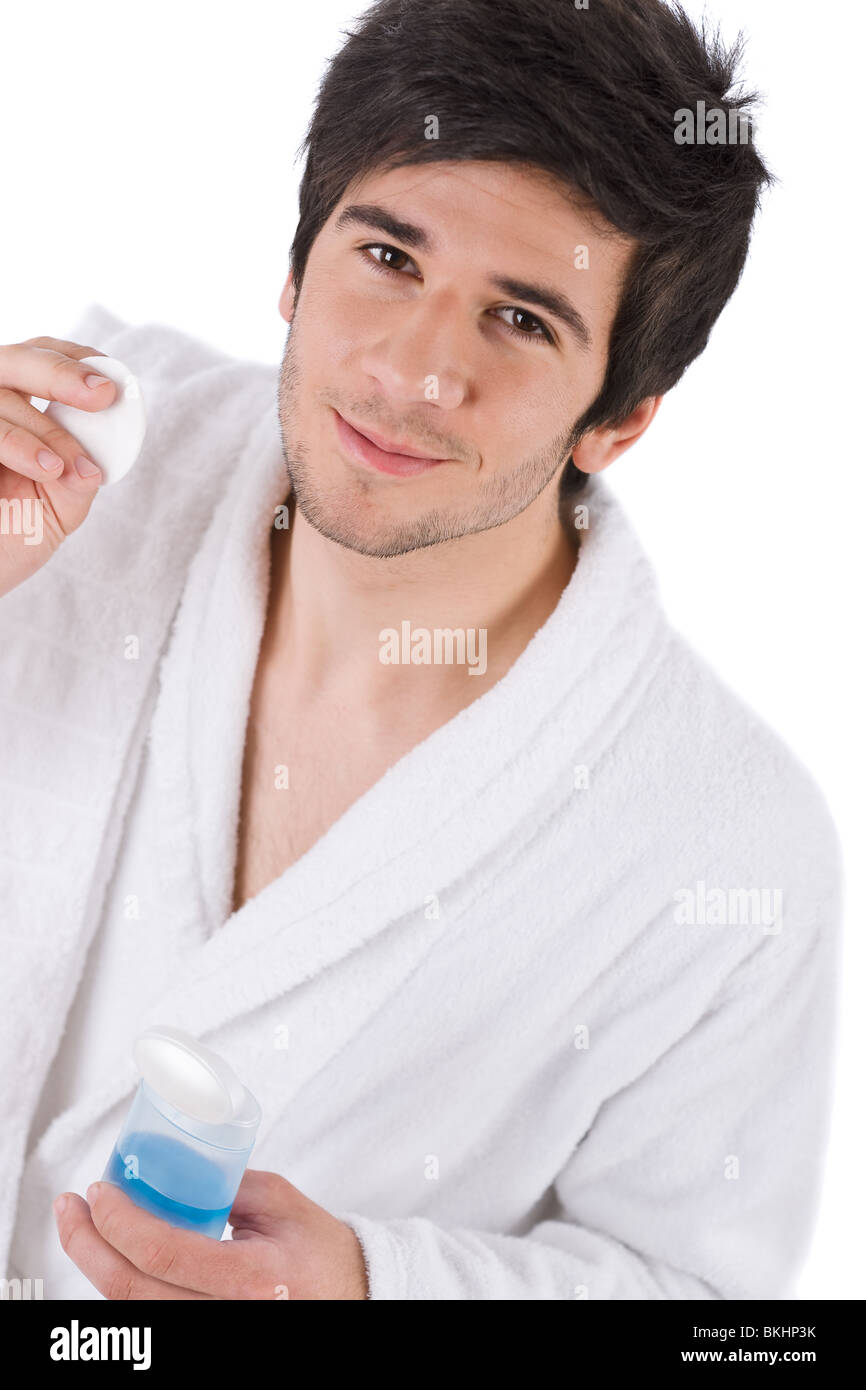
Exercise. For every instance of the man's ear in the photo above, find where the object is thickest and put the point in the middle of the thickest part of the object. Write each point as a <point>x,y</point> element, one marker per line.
<point>601,446</point>
<point>287,298</point>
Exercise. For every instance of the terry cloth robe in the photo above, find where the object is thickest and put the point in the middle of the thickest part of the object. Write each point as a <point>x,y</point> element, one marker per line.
<point>548,1013</point>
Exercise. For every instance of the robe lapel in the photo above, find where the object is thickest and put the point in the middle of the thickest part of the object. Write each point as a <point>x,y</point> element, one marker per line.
<point>433,818</point>
<point>492,775</point>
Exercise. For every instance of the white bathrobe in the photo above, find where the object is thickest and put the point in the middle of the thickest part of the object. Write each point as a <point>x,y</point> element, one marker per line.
<point>548,1013</point>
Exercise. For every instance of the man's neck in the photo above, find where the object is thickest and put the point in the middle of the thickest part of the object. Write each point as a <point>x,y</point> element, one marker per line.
<point>328,607</point>
<point>326,705</point>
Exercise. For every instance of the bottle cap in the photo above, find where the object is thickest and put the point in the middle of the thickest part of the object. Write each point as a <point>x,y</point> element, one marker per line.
<point>192,1078</point>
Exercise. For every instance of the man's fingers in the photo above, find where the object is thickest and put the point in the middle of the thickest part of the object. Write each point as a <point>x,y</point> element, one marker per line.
<point>184,1259</point>
<point>62,345</point>
<point>110,1272</point>
<point>53,374</point>
<point>27,440</point>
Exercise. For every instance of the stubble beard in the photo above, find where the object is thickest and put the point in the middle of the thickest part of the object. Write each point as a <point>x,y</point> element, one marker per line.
<point>332,513</point>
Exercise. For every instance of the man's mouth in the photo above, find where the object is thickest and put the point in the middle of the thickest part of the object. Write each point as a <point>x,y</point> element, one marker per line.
<point>372,449</point>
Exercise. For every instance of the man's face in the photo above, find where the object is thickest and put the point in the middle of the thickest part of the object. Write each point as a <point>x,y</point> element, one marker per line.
<point>403,331</point>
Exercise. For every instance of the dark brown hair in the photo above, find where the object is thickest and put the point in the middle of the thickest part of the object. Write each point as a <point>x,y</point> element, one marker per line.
<point>588,95</point>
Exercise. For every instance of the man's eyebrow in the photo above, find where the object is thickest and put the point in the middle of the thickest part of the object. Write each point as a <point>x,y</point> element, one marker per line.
<point>372,215</point>
<point>416,237</point>
<point>546,297</point>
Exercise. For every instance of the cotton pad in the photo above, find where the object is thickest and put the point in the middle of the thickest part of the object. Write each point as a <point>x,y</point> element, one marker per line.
<point>111,437</point>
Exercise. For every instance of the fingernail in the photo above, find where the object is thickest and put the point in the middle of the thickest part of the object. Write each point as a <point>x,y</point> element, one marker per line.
<point>93,1192</point>
<point>47,460</point>
<point>59,1206</point>
<point>84,468</point>
<point>94,380</point>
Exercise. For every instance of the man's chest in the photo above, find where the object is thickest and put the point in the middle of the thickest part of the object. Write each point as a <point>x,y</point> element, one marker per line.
<point>291,792</point>
<point>301,771</point>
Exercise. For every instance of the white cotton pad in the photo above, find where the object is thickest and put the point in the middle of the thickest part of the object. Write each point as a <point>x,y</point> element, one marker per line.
<point>111,437</point>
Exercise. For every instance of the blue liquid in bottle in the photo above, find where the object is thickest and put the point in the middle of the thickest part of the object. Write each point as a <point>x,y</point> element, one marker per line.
<point>150,1163</point>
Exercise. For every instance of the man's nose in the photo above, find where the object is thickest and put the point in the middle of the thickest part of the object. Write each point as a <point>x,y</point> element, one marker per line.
<point>420,353</point>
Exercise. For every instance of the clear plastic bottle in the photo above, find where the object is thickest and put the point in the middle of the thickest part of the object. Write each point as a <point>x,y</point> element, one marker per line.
<point>188,1134</point>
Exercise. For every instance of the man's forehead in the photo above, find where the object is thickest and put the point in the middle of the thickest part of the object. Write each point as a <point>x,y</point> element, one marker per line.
<point>450,200</point>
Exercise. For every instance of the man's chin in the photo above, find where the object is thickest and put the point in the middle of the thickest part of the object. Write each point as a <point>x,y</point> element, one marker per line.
<point>371,535</point>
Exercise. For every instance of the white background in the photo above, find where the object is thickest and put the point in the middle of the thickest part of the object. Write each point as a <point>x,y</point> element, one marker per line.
<point>148,164</point>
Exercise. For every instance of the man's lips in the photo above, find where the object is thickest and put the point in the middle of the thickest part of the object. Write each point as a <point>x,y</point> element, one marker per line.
<point>379,453</point>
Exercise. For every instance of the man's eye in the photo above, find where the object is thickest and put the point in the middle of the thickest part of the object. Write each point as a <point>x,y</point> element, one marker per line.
<point>528,326</point>
<point>391,261</point>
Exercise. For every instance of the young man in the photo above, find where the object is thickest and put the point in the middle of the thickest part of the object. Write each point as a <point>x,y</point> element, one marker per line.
<point>520,926</point>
